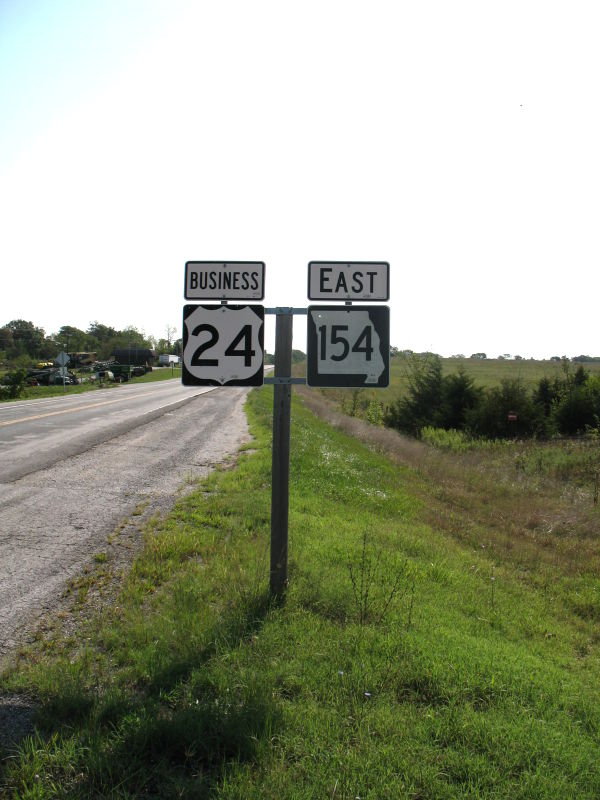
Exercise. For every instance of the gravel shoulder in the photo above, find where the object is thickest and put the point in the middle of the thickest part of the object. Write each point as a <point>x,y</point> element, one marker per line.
<point>54,521</point>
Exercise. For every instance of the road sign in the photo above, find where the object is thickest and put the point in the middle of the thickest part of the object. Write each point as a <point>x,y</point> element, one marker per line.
<point>62,359</point>
<point>223,345</point>
<point>224,280</point>
<point>348,280</point>
<point>348,346</point>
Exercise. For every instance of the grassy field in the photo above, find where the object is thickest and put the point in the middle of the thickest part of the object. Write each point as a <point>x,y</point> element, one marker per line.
<point>37,392</point>
<point>439,638</point>
<point>485,372</point>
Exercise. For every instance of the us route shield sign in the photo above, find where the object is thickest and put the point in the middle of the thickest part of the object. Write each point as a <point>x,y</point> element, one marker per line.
<point>348,346</point>
<point>223,345</point>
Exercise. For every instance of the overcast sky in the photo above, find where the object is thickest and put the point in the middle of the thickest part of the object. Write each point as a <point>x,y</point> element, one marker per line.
<point>460,141</point>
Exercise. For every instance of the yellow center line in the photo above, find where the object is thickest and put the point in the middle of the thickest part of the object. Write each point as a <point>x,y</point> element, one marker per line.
<point>69,410</point>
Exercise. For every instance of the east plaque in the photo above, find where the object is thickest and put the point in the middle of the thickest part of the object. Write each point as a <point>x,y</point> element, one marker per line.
<point>348,280</point>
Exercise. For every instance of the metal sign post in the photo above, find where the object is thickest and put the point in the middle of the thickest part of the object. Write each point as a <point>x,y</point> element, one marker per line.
<point>61,360</point>
<point>280,462</point>
<point>224,346</point>
<point>280,469</point>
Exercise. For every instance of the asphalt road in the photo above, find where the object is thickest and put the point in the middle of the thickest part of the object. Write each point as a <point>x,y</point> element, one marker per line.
<point>36,433</point>
<point>74,469</point>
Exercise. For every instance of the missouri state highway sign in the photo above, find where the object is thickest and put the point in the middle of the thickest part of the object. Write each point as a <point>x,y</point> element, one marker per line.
<point>223,345</point>
<point>348,346</point>
<point>348,280</point>
<point>224,280</point>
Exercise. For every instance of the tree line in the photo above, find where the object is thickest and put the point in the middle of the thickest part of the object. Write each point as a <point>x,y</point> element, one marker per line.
<point>567,404</point>
<point>22,342</point>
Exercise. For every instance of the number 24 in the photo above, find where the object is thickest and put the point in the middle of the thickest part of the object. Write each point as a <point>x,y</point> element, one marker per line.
<point>244,335</point>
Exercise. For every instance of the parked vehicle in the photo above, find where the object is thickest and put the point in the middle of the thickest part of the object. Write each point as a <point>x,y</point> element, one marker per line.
<point>70,379</point>
<point>81,359</point>
<point>135,356</point>
<point>167,359</point>
<point>50,376</point>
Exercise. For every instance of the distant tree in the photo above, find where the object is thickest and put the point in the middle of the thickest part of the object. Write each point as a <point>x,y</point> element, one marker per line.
<point>459,397</point>
<point>580,377</point>
<point>479,355</point>
<point>490,417</point>
<point>101,333</point>
<point>297,356</point>
<point>104,339</point>
<point>421,407</point>
<point>171,331</point>
<point>27,339</point>
<point>577,411</point>
<point>101,339</point>
<point>70,339</point>
<point>545,395</point>
<point>6,339</point>
<point>433,400</point>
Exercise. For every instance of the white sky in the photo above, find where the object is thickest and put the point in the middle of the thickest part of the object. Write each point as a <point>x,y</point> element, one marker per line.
<point>460,141</point>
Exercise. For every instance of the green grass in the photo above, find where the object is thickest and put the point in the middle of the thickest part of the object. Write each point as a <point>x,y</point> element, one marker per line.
<point>160,374</point>
<point>38,392</point>
<point>407,661</point>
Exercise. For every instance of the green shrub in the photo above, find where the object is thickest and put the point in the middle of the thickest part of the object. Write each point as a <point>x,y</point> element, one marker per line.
<point>446,439</point>
<point>375,412</point>
<point>490,418</point>
<point>14,383</point>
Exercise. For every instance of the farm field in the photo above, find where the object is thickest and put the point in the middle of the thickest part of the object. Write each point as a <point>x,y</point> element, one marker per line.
<point>485,372</point>
<point>439,637</point>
